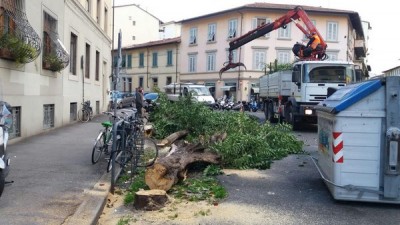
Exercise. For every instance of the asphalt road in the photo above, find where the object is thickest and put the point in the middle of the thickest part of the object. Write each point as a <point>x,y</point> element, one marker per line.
<point>52,173</point>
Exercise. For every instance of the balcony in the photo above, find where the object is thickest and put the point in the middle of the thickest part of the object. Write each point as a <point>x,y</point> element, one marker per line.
<point>55,57</point>
<point>18,40</point>
<point>360,49</point>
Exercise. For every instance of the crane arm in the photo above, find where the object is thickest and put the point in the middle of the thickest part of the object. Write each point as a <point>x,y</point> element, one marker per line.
<point>291,16</point>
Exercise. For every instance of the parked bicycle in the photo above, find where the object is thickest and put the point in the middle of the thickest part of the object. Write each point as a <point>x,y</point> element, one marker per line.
<point>103,141</point>
<point>135,150</point>
<point>86,113</point>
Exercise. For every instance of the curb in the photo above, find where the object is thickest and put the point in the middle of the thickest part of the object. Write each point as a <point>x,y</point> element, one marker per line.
<point>90,209</point>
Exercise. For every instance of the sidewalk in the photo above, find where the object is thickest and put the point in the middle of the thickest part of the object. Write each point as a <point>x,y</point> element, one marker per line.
<point>54,179</point>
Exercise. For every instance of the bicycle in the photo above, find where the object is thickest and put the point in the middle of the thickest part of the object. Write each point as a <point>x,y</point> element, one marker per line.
<point>134,145</point>
<point>86,113</point>
<point>103,140</point>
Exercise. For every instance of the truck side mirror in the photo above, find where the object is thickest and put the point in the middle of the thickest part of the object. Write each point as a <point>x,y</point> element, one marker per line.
<point>296,77</point>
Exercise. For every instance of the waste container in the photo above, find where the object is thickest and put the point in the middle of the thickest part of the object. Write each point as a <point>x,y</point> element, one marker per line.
<point>358,141</point>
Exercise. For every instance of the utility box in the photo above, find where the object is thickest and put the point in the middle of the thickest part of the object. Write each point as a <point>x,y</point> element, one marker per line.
<point>358,141</point>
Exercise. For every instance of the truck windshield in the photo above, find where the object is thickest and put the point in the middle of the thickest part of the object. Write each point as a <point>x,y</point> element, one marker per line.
<point>199,91</point>
<point>317,73</point>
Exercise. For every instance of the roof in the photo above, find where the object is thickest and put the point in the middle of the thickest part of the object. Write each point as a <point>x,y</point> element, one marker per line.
<point>154,43</point>
<point>353,16</point>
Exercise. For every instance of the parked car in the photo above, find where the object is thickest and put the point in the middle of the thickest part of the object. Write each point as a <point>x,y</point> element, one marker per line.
<point>127,100</point>
<point>150,101</point>
<point>124,99</point>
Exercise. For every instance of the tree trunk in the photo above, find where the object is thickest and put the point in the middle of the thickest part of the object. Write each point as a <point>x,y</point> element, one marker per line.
<point>166,171</point>
<point>150,200</point>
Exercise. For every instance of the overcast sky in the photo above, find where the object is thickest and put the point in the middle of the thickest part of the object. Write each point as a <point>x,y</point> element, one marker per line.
<point>384,49</point>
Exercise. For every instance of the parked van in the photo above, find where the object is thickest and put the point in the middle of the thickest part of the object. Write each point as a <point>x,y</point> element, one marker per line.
<point>200,93</point>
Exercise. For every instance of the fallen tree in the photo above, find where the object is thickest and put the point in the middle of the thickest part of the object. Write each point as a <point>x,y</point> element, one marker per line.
<point>167,170</point>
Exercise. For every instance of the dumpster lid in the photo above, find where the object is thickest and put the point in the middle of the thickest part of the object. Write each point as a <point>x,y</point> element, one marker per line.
<point>348,95</point>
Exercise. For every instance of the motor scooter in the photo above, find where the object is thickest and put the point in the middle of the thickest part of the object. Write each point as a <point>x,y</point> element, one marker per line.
<point>5,124</point>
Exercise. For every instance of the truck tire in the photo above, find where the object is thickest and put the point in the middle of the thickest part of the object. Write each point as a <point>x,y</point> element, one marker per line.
<point>269,112</point>
<point>290,117</point>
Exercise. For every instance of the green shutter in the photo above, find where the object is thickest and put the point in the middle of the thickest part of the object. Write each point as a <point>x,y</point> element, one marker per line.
<point>129,61</point>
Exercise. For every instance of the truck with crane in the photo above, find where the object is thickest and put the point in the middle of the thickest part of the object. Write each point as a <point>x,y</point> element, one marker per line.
<point>291,95</point>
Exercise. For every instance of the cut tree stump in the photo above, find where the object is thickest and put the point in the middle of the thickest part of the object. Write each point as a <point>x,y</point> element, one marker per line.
<point>150,200</point>
<point>167,171</point>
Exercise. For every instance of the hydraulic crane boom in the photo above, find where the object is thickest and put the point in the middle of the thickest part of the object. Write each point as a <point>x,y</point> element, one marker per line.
<point>295,15</point>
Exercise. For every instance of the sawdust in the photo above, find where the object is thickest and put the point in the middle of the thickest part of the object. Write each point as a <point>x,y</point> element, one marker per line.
<point>182,212</point>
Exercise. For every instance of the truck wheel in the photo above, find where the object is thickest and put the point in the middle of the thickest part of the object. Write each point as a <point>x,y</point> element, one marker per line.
<point>268,112</point>
<point>290,117</point>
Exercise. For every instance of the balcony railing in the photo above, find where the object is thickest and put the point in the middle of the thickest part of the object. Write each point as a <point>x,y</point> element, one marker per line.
<point>55,56</point>
<point>18,40</point>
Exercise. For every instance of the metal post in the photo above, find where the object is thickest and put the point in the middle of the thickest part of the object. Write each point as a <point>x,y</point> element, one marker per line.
<point>114,145</point>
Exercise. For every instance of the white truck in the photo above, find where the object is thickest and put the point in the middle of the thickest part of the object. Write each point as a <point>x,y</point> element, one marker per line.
<point>200,93</point>
<point>291,95</point>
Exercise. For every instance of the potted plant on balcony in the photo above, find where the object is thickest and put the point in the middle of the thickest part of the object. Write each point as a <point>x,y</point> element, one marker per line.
<point>53,63</point>
<point>15,49</point>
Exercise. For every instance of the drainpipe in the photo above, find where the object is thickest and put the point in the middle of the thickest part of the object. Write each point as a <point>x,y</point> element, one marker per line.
<point>176,66</point>
<point>240,54</point>
<point>147,72</point>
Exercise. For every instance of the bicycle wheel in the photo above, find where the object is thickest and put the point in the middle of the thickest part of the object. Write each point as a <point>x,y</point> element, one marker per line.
<point>146,151</point>
<point>118,156</point>
<point>83,115</point>
<point>98,147</point>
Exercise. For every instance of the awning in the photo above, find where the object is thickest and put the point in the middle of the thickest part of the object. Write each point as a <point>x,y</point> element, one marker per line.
<point>256,90</point>
<point>227,88</point>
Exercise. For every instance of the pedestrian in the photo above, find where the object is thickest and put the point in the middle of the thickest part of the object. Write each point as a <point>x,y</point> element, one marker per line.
<point>139,101</point>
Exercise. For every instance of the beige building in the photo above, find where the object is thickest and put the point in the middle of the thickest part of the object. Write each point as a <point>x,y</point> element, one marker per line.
<point>205,42</point>
<point>62,57</point>
<point>136,25</point>
<point>150,65</point>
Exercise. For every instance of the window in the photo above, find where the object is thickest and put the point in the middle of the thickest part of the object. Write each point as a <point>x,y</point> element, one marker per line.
<point>87,5</point>
<point>332,56</point>
<point>105,20</point>
<point>283,56</point>
<point>133,38</point>
<point>73,52</point>
<point>193,36</point>
<point>155,59</point>
<point>212,29</point>
<point>15,129</point>
<point>134,23</point>
<point>332,31</point>
<point>141,83</point>
<point>284,33</point>
<point>123,61</point>
<point>259,59</point>
<point>155,82</point>
<point>48,116</point>
<point>169,58</point>
<point>129,62</point>
<point>98,12</point>
<point>192,63</point>
<point>256,22</point>
<point>87,61</point>
<point>232,28</point>
<point>73,111</point>
<point>97,74</point>
<point>141,59</point>
<point>49,28</point>
<point>169,80</point>
<point>211,61</point>
<point>129,80</point>
<point>7,24</point>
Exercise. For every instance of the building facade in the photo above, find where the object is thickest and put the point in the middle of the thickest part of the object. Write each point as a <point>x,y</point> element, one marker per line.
<point>205,42</point>
<point>136,24</point>
<point>150,65</point>
<point>63,58</point>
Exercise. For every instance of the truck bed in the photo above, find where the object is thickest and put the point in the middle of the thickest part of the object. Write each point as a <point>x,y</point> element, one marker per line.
<point>275,84</point>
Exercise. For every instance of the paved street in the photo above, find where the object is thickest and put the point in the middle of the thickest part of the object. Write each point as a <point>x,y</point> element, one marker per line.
<point>53,175</point>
